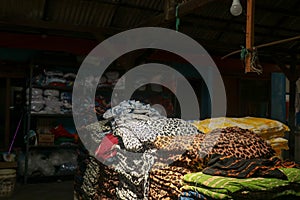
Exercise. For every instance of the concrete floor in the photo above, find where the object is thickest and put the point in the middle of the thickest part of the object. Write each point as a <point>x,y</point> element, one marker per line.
<point>46,191</point>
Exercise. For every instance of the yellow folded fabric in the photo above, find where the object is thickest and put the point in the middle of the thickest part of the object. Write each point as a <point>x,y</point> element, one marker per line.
<point>260,126</point>
<point>278,140</point>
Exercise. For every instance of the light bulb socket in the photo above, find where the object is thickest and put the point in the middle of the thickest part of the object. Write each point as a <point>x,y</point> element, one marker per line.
<point>236,8</point>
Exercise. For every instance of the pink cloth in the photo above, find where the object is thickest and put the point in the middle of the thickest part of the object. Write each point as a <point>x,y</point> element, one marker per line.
<point>106,148</point>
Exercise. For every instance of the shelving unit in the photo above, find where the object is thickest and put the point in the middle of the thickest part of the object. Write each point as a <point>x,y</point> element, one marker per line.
<point>105,90</point>
<point>33,118</point>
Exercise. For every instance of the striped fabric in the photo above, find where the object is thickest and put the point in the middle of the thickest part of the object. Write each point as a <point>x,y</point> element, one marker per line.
<point>219,187</point>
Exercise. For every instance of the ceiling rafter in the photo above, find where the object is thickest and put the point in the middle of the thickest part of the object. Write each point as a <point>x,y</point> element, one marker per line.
<point>127,5</point>
<point>238,22</point>
<point>278,11</point>
<point>283,19</point>
<point>221,29</point>
<point>184,9</point>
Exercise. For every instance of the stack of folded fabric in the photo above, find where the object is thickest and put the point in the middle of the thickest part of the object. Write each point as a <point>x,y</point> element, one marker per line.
<point>126,140</point>
<point>66,102</point>
<point>37,100</point>
<point>179,156</point>
<point>271,130</point>
<point>240,165</point>
<point>94,180</point>
<point>55,78</point>
<point>138,125</point>
<point>62,136</point>
<point>151,156</point>
<point>52,101</point>
<point>165,181</point>
<point>224,187</point>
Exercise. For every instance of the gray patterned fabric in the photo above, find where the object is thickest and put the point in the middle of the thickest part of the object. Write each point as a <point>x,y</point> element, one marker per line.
<point>132,107</point>
<point>137,134</point>
<point>133,169</point>
<point>98,130</point>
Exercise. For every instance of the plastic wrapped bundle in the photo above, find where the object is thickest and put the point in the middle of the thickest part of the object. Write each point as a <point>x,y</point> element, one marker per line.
<point>52,102</point>
<point>37,100</point>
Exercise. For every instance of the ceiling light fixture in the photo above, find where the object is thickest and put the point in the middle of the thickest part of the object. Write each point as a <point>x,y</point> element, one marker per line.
<point>236,8</point>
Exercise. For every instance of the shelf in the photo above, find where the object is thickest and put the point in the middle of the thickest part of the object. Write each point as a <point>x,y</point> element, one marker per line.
<point>53,87</point>
<point>8,165</point>
<point>52,115</point>
<point>46,179</point>
<point>53,146</point>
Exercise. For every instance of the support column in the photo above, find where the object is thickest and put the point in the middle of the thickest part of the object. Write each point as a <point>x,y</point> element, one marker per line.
<point>7,113</point>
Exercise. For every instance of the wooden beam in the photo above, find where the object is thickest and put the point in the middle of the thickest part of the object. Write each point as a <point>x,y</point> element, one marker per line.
<point>184,9</point>
<point>45,10</point>
<point>123,4</point>
<point>292,108</point>
<point>238,23</point>
<point>280,11</point>
<point>249,34</point>
<point>192,23</point>
<point>266,45</point>
<point>168,4</point>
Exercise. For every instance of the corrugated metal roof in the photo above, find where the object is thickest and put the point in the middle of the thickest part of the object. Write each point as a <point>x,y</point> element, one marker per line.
<point>152,4</point>
<point>212,22</point>
<point>85,13</point>
<point>21,9</point>
<point>130,17</point>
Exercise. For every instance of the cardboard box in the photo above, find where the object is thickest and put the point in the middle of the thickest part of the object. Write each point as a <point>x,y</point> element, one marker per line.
<point>45,139</point>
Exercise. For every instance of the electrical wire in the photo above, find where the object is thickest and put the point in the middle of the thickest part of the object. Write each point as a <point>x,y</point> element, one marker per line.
<point>255,66</point>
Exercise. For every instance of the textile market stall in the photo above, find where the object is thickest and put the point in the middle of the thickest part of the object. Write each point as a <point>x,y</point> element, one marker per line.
<point>143,155</point>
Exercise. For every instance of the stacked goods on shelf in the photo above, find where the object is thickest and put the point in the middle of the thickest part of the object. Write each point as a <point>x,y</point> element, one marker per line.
<point>62,136</point>
<point>55,131</point>
<point>66,99</point>
<point>47,97</point>
<point>271,130</point>
<point>37,99</point>
<point>54,162</point>
<point>56,79</point>
<point>52,101</point>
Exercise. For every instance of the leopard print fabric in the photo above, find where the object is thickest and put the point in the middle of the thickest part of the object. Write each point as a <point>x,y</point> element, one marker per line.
<point>137,135</point>
<point>192,153</point>
<point>99,182</point>
<point>165,181</point>
<point>196,150</point>
<point>182,151</point>
<point>240,143</point>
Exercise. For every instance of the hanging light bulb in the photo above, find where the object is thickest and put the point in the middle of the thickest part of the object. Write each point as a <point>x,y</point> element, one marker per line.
<point>236,8</point>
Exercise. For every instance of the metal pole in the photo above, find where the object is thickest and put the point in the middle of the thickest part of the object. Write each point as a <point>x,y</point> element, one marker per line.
<point>28,111</point>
